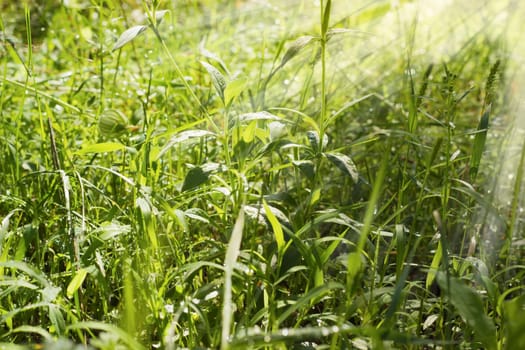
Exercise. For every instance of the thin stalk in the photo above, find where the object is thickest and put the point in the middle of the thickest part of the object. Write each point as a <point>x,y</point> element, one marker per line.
<point>325,19</point>
<point>515,203</point>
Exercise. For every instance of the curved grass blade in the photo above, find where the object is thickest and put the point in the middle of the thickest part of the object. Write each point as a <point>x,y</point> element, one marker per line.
<point>234,247</point>
<point>128,35</point>
<point>309,298</point>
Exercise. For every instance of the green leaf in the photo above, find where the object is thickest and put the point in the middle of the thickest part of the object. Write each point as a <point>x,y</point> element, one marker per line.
<point>28,269</point>
<point>345,164</point>
<point>194,178</point>
<point>263,115</point>
<point>102,147</point>
<point>308,299</point>
<point>159,16</point>
<point>57,319</point>
<point>128,339</point>
<point>184,136</point>
<point>326,17</point>
<point>295,48</point>
<point>112,229</point>
<point>257,212</point>
<point>436,261</point>
<point>50,293</point>
<point>144,207</point>
<point>217,79</point>
<point>276,226</point>
<point>232,253</point>
<point>479,144</point>
<point>313,138</point>
<point>470,307</point>
<point>76,282</point>
<point>233,89</point>
<point>212,56</point>
<point>128,35</point>
<point>514,323</point>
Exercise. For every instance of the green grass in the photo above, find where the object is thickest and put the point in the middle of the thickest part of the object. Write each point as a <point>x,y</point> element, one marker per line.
<point>242,174</point>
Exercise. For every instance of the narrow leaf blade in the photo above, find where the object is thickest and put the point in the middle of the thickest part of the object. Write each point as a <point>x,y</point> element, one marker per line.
<point>102,147</point>
<point>128,35</point>
<point>217,79</point>
<point>295,48</point>
<point>76,282</point>
<point>232,253</point>
<point>276,226</point>
<point>479,144</point>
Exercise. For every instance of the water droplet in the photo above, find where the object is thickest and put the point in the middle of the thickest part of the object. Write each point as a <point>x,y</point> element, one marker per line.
<point>267,338</point>
<point>325,331</point>
<point>335,329</point>
<point>285,332</point>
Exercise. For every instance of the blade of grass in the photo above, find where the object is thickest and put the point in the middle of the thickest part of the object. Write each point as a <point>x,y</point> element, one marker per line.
<point>230,260</point>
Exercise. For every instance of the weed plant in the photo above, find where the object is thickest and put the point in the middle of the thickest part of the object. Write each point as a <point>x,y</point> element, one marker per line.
<point>213,174</point>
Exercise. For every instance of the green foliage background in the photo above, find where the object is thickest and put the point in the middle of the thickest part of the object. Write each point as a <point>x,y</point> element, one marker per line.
<point>251,174</point>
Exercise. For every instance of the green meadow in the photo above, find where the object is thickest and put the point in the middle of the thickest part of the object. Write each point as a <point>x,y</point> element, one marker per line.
<point>262,174</point>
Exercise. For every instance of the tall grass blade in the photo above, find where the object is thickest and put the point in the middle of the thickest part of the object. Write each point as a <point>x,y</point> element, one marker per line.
<point>479,144</point>
<point>326,18</point>
<point>276,226</point>
<point>230,260</point>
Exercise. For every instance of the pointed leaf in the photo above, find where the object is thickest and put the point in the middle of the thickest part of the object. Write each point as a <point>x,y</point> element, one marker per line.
<point>345,164</point>
<point>258,212</point>
<point>313,138</point>
<point>309,298</point>
<point>514,323</point>
<point>436,261</point>
<point>159,16</point>
<point>194,178</point>
<point>263,115</point>
<point>50,293</point>
<point>76,282</point>
<point>128,35</point>
<point>234,89</point>
<point>102,147</point>
<point>276,226</point>
<point>143,206</point>
<point>217,79</point>
<point>212,56</point>
<point>479,143</point>
<point>232,253</point>
<point>307,168</point>
<point>470,307</point>
<point>326,17</point>
<point>57,319</point>
<point>295,48</point>
<point>182,137</point>
<point>109,230</point>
